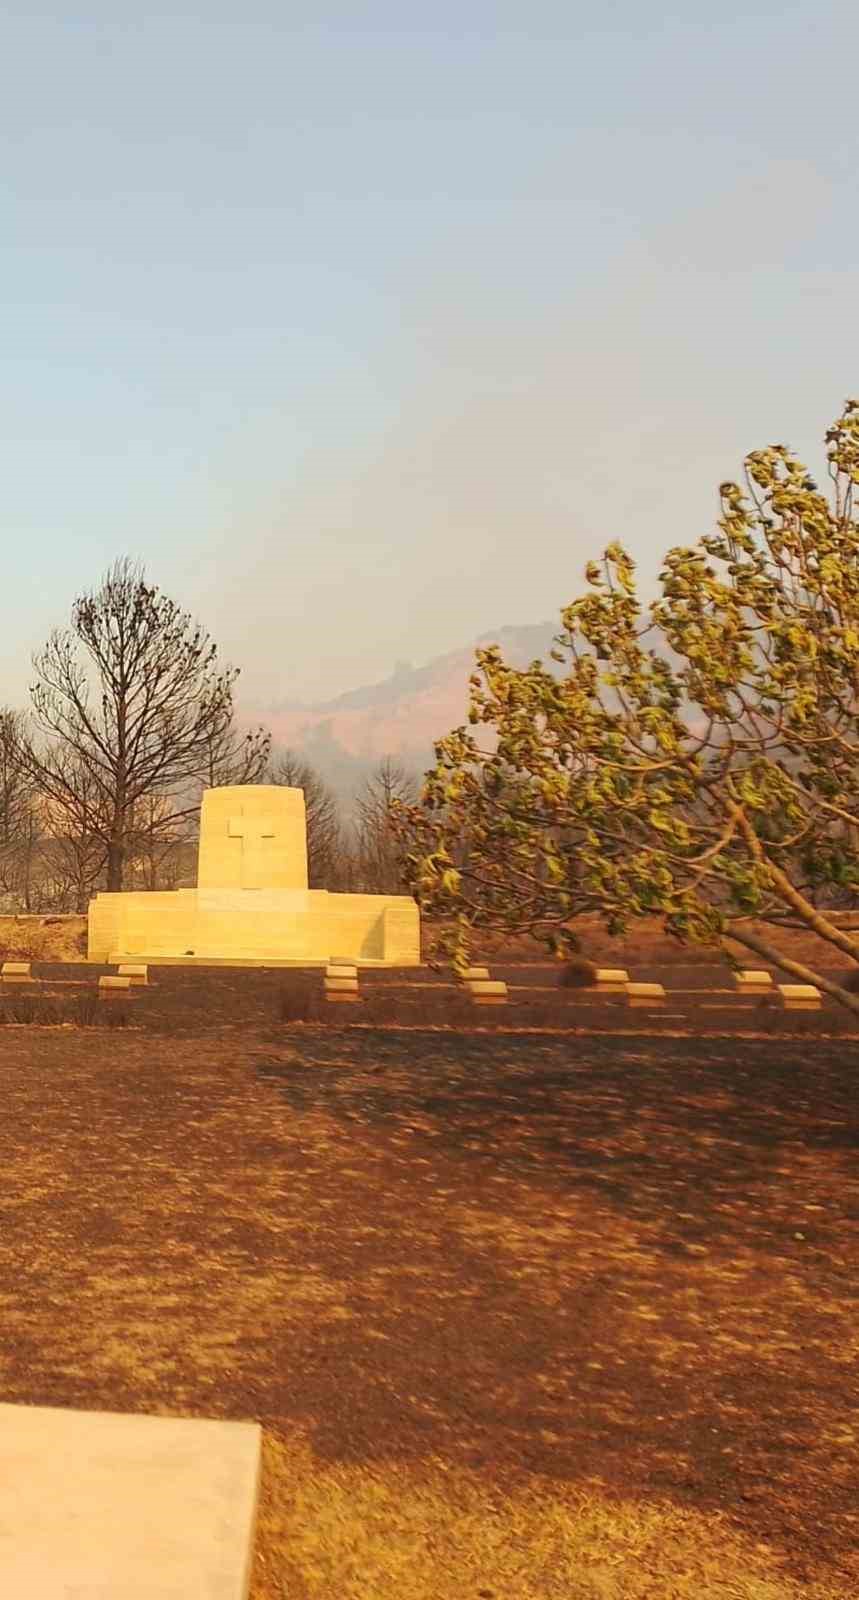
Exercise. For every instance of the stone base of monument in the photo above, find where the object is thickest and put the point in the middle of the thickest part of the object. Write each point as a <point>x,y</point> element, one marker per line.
<point>94,1505</point>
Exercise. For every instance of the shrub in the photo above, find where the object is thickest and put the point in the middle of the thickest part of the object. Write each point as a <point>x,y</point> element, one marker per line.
<point>299,1000</point>
<point>577,973</point>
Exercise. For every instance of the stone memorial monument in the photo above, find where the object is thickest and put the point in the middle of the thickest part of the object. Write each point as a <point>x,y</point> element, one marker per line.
<point>252,905</point>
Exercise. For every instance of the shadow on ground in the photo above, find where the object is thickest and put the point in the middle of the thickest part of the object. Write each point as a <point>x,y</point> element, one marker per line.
<point>627,1262</point>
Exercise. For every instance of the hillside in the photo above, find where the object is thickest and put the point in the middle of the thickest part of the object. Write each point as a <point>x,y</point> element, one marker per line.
<point>345,738</point>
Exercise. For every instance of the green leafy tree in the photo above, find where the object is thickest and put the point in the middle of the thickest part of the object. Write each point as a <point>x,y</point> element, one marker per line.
<point>698,759</point>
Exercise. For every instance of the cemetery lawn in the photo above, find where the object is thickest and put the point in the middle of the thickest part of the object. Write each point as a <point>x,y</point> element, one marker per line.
<point>520,1316</point>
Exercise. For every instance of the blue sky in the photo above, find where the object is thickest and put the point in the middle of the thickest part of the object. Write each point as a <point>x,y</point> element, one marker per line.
<point>366,326</point>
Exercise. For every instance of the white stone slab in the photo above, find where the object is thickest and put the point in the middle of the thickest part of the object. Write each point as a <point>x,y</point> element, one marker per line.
<point>95,1505</point>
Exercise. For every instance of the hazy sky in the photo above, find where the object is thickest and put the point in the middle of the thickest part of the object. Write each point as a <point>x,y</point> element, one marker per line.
<point>366,325</point>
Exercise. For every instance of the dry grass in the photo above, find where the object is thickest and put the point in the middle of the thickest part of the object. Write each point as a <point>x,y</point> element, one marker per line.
<point>31,938</point>
<point>81,1009</point>
<point>441,1533</point>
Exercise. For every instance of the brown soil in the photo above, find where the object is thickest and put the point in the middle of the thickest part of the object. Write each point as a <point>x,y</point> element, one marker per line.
<point>519,1316</point>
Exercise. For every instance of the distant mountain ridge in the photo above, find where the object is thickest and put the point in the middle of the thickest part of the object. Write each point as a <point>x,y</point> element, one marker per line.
<point>401,717</point>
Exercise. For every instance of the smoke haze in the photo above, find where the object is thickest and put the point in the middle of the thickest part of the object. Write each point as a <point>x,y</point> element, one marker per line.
<point>365,336</point>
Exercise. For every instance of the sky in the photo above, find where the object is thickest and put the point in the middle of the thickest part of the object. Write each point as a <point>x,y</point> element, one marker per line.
<point>365,326</point>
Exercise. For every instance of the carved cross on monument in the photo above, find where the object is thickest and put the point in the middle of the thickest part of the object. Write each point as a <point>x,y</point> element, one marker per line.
<point>252,831</point>
<point>252,836</point>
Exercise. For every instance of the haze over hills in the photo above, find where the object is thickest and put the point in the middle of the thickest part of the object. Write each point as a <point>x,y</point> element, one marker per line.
<point>345,738</point>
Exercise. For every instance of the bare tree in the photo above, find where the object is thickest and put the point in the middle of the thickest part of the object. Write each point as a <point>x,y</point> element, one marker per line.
<point>160,841</point>
<point>235,757</point>
<point>132,701</point>
<point>380,853</point>
<point>325,844</point>
<point>16,799</point>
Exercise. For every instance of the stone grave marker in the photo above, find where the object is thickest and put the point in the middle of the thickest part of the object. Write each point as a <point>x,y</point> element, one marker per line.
<point>139,975</point>
<point>611,980</point>
<point>486,993</point>
<point>799,996</point>
<point>645,994</point>
<point>16,972</point>
<point>340,989</point>
<point>114,988</point>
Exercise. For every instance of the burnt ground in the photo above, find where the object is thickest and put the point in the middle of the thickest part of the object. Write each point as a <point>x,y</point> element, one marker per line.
<point>620,1266</point>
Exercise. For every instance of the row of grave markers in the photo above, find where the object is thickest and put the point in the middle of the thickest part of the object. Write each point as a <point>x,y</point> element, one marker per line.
<point>341,984</point>
<point>129,976</point>
<point>793,996</point>
<point>614,980</point>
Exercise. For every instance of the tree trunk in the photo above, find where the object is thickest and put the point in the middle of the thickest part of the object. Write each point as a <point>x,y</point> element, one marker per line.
<point>115,864</point>
<point>796,969</point>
